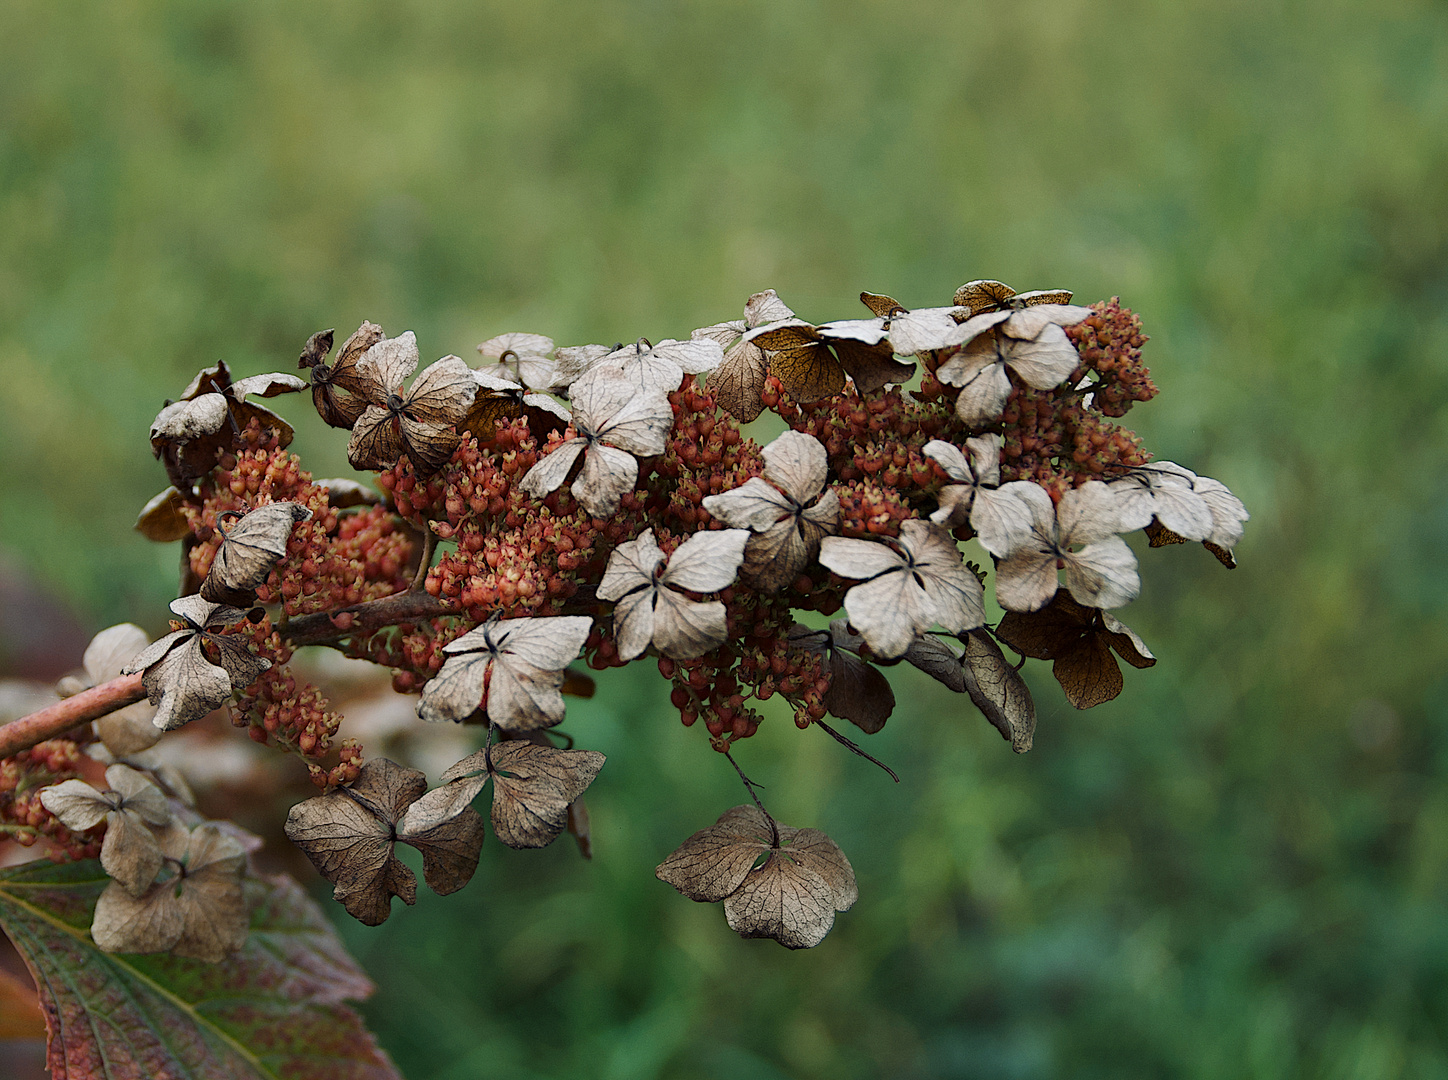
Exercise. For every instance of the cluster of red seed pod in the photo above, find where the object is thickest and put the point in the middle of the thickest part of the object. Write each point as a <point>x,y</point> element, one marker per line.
<point>23,818</point>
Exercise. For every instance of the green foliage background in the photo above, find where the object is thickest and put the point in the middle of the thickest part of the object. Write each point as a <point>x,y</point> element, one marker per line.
<point>1237,869</point>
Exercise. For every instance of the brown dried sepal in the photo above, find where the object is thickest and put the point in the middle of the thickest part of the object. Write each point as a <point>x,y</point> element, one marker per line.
<point>859,692</point>
<point>986,295</point>
<point>801,880</point>
<point>130,853</point>
<point>998,690</point>
<point>161,519</point>
<point>249,550</point>
<point>811,363</point>
<point>419,422</point>
<point>1079,641</point>
<point>349,836</point>
<point>339,389</point>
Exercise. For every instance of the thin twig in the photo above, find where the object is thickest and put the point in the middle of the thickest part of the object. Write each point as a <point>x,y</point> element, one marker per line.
<point>749,786</point>
<point>59,718</point>
<point>855,748</point>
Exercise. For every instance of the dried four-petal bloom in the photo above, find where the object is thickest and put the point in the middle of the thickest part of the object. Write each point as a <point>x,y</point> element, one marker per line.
<point>660,367</point>
<point>1079,641</point>
<point>1162,490</point>
<point>349,835</point>
<point>513,668</point>
<point>811,362</point>
<point>533,787</point>
<point>651,611</point>
<point>738,381</point>
<point>907,586</point>
<point>188,433</point>
<point>1000,518</point>
<point>249,550</point>
<point>339,390</point>
<point>616,423</point>
<point>200,912</point>
<point>420,422</point>
<point>792,896</point>
<point>521,358</point>
<point>130,852</point>
<point>1101,574</point>
<point>1029,342</point>
<point>180,679</point>
<point>789,518</point>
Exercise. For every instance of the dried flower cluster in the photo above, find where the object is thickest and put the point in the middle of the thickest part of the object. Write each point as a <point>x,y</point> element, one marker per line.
<point>603,504</point>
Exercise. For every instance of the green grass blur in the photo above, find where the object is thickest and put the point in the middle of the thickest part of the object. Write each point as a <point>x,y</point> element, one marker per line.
<point>1238,869</point>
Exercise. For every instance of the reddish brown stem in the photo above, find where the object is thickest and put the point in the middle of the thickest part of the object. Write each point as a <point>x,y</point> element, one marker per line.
<point>59,718</point>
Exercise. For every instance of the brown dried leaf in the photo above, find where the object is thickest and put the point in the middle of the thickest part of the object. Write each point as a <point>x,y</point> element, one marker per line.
<point>249,550</point>
<point>858,692</point>
<point>998,690</point>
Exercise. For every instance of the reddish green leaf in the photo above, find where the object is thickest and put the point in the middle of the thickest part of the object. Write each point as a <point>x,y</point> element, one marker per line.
<point>272,1010</point>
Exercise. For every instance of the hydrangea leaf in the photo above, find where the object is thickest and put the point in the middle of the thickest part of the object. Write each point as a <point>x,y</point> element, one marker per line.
<point>274,1009</point>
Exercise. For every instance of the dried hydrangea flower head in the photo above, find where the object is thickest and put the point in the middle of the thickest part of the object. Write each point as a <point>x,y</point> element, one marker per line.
<point>615,423</point>
<point>907,585</point>
<point>651,608</point>
<point>512,668</point>
<point>199,912</point>
<point>131,853</point>
<point>180,679</point>
<point>339,389</point>
<point>789,515</point>
<point>419,422</point>
<point>1102,573</point>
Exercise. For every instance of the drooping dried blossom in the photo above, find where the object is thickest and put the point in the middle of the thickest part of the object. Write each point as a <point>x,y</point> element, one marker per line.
<point>616,423</point>
<point>339,390</point>
<point>533,787</point>
<point>1000,517</point>
<point>998,690</point>
<point>811,362</point>
<point>650,609</point>
<point>200,912</point>
<point>127,730</point>
<point>907,585</point>
<point>1030,342</point>
<point>1162,490</point>
<point>180,678</point>
<point>1079,640</point>
<point>249,550</point>
<point>209,416</point>
<point>791,897</point>
<point>738,381</point>
<point>131,853</point>
<point>349,836</point>
<point>789,515</point>
<point>1101,574</point>
<point>419,422</point>
<point>984,294</point>
<point>512,668</point>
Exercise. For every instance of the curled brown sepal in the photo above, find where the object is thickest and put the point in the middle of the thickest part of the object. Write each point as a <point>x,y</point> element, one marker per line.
<point>1079,641</point>
<point>501,397</point>
<point>130,852</point>
<point>180,679</point>
<point>211,412</point>
<point>349,835</point>
<point>738,382</point>
<point>339,389</point>
<point>906,586</point>
<point>859,692</point>
<point>1102,573</point>
<point>418,422</point>
<point>533,787</point>
<point>512,668</point>
<point>199,911</point>
<point>249,550</point>
<point>998,690</point>
<point>161,518</point>
<point>1000,517</point>
<point>615,423</point>
<point>788,518</point>
<point>650,609</point>
<point>983,294</point>
<point>1028,342</point>
<point>791,895</point>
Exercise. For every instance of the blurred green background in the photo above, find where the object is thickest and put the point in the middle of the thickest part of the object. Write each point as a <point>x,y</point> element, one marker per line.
<point>1236,869</point>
